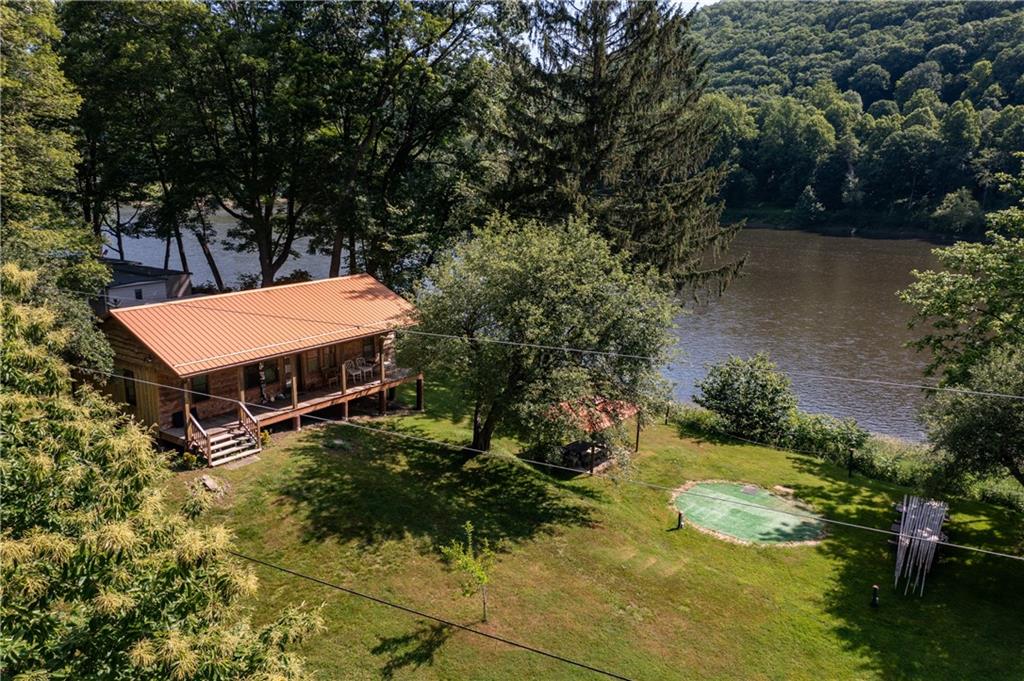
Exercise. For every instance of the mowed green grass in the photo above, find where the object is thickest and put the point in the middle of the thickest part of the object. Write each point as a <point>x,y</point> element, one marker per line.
<point>591,569</point>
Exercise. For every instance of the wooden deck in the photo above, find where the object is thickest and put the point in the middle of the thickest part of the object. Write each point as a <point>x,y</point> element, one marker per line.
<point>308,402</point>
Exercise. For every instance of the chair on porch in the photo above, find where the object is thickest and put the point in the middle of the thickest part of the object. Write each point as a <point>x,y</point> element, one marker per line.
<point>369,369</point>
<point>331,376</point>
<point>354,372</point>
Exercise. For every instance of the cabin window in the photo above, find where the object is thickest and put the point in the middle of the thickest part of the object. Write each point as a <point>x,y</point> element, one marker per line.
<point>200,388</point>
<point>129,387</point>
<point>252,374</point>
<point>313,363</point>
<point>138,294</point>
<point>330,356</point>
<point>369,348</point>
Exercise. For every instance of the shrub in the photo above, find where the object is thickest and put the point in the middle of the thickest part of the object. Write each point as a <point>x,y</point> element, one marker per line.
<point>700,420</point>
<point>753,399</point>
<point>831,438</point>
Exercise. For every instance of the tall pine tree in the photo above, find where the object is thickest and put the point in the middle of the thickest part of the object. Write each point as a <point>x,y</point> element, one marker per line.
<point>602,119</point>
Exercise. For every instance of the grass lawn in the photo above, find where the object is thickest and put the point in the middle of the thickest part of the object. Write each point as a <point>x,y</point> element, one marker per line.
<point>590,569</point>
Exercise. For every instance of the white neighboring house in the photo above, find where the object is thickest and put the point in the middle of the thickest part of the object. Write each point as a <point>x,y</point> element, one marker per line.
<point>136,284</point>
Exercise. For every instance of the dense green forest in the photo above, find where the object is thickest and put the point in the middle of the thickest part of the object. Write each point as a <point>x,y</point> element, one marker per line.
<point>900,113</point>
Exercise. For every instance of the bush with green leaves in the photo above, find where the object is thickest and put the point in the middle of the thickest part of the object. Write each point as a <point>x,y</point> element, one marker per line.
<point>982,432</point>
<point>833,439</point>
<point>101,580</point>
<point>753,398</point>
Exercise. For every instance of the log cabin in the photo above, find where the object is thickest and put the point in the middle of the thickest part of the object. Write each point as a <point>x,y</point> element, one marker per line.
<point>209,372</point>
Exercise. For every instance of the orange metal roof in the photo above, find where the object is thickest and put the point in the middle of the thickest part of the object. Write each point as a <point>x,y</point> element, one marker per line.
<point>197,335</point>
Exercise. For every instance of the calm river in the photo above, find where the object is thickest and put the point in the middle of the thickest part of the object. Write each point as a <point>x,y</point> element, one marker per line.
<point>816,304</point>
<point>824,305</point>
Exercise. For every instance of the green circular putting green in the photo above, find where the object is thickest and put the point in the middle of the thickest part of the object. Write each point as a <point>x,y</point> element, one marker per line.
<point>747,513</point>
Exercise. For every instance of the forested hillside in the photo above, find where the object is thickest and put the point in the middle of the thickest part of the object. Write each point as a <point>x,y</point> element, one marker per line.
<point>884,110</point>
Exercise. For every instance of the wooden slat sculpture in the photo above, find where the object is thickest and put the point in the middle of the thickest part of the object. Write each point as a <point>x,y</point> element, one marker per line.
<point>919,536</point>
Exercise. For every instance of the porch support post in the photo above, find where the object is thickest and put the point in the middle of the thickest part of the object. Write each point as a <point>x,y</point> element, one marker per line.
<point>382,401</point>
<point>380,358</point>
<point>419,394</point>
<point>240,384</point>
<point>293,361</point>
<point>344,377</point>
<point>344,410</point>
<point>187,385</point>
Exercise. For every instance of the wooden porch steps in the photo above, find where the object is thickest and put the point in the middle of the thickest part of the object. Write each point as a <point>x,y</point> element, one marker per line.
<point>230,444</point>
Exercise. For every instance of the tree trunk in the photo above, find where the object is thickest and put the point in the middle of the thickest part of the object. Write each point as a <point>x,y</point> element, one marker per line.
<point>167,252</point>
<point>336,248</point>
<point>181,247</point>
<point>1016,471</point>
<point>208,254</point>
<point>482,432</point>
<point>483,591</point>
<point>352,265</point>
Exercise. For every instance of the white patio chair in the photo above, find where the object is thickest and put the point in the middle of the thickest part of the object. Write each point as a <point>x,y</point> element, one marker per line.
<point>366,367</point>
<point>354,372</point>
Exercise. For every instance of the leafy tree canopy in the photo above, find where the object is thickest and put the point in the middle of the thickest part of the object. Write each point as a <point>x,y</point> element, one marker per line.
<point>974,305</point>
<point>101,581</point>
<point>38,160</point>
<point>558,285</point>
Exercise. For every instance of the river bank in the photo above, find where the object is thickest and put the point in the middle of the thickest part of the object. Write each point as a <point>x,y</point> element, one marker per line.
<point>861,224</point>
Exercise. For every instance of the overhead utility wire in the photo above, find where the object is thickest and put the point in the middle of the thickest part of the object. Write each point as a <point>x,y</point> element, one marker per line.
<point>383,326</point>
<point>597,474</point>
<point>426,615</point>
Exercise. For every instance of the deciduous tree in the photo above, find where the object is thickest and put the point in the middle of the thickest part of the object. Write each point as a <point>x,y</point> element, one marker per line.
<point>101,580</point>
<point>519,290</point>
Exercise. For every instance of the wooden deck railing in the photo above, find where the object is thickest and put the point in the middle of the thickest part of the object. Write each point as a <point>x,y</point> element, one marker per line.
<point>249,423</point>
<point>199,439</point>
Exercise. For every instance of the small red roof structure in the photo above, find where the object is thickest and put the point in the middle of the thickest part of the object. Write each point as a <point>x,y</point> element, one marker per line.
<point>595,415</point>
<point>194,336</point>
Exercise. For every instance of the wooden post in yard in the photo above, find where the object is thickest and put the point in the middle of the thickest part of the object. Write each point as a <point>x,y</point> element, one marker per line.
<point>636,448</point>
<point>419,394</point>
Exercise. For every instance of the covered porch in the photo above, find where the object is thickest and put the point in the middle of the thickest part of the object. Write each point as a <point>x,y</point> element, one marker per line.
<point>219,414</point>
<point>307,402</point>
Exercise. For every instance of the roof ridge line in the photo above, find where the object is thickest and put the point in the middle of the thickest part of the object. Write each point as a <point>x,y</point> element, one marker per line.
<point>227,294</point>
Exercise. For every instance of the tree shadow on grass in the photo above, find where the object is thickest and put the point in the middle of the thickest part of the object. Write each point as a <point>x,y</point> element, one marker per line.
<point>414,649</point>
<point>378,487</point>
<point>966,625</point>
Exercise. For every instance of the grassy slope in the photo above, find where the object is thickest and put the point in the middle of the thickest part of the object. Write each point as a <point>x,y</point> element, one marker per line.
<point>590,570</point>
